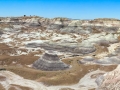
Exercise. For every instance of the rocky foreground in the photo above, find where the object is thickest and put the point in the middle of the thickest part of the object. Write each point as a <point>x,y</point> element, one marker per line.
<point>86,53</point>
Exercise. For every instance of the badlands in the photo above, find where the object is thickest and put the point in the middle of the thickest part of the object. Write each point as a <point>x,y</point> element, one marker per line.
<point>38,53</point>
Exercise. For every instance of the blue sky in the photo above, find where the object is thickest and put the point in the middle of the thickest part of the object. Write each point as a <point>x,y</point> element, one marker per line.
<point>76,9</point>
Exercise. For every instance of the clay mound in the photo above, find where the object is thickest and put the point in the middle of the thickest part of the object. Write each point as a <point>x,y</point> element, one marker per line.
<point>49,62</point>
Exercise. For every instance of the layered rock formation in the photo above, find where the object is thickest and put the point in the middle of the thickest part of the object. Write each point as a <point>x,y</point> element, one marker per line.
<point>50,62</point>
<point>75,49</point>
<point>85,45</point>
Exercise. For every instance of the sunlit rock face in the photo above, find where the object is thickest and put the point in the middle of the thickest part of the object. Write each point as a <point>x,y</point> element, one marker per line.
<point>50,62</point>
<point>110,80</point>
<point>9,81</point>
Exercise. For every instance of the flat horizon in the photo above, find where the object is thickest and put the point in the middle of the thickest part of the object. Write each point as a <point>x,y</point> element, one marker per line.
<point>74,9</point>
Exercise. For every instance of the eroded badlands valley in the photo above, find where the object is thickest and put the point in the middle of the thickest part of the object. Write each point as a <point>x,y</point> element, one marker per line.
<point>38,53</point>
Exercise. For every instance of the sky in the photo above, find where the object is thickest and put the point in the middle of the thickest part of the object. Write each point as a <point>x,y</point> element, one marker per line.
<point>75,9</point>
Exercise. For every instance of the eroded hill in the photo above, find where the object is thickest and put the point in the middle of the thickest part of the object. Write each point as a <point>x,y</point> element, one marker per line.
<point>89,47</point>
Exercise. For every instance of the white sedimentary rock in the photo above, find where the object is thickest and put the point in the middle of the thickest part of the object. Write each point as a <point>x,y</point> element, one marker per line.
<point>12,78</point>
<point>110,80</point>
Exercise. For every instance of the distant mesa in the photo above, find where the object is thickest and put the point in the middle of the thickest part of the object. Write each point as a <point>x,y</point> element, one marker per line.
<point>50,62</point>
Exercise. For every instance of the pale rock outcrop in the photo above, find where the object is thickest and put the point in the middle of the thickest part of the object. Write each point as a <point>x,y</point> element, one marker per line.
<point>88,82</point>
<point>8,79</point>
<point>75,23</point>
<point>110,80</point>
